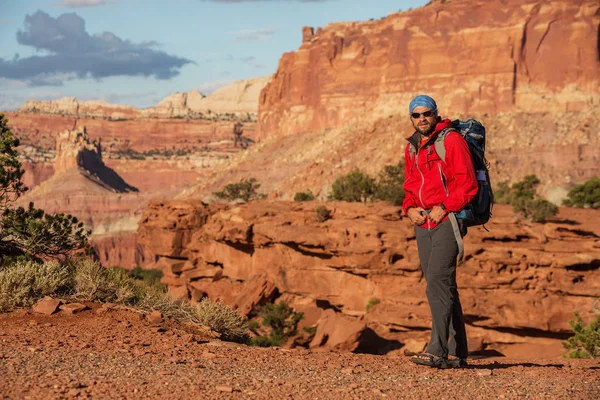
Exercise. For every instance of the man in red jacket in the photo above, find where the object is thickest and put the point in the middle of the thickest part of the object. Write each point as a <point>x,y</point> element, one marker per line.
<point>434,189</point>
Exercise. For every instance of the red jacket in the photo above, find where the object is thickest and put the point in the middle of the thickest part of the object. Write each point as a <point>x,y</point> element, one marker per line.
<point>424,173</point>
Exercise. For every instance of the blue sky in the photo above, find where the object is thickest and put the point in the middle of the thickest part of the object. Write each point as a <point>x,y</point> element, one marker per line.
<point>140,51</point>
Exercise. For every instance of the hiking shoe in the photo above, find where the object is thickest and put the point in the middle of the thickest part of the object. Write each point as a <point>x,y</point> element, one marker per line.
<point>430,360</point>
<point>455,362</point>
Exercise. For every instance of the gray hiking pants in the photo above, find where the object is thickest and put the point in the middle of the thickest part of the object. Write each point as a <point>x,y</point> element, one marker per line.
<point>437,252</point>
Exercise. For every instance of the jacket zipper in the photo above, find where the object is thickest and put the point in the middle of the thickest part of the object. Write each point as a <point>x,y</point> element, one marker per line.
<point>443,179</point>
<point>422,184</point>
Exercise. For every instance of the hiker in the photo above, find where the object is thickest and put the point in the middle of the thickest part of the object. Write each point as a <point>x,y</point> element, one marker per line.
<point>436,188</point>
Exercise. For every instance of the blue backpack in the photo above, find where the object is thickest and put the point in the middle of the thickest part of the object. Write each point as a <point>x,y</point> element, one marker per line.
<point>479,210</point>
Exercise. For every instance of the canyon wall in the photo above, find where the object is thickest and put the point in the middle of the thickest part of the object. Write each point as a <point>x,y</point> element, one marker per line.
<point>472,56</point>
<point>103,163</point>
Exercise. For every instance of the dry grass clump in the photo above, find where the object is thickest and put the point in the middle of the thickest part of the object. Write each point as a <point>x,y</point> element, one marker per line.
<point>23,282</point>
<point>96,283</point>
<point>217,316</point>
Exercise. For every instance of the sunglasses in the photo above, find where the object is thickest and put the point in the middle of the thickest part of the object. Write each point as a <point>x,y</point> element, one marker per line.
<point>426,114</point>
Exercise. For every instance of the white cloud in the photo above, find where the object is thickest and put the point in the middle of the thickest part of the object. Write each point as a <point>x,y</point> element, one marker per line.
<point>81,3</point>
<point>256,35</point>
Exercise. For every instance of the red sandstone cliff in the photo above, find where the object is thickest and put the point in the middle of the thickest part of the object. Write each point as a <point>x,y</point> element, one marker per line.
<point>472,56</point>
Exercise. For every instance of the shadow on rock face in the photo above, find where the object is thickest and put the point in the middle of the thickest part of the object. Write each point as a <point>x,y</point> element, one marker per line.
<point>95,170</point>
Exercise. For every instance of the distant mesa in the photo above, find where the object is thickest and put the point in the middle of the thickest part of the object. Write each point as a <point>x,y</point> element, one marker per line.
<point>239,99</point>
<point>75,150</point>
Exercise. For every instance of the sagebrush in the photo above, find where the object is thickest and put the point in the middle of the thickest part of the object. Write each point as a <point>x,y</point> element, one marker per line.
<point>22,283</point>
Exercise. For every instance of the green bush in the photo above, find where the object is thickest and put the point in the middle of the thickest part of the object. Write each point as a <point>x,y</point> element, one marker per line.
<point>372,303</point>
<point>536,210</point>
<point>31,232</point>
<point>586,195</point>
<point>245,190</point>
<point>390,185</point>
<point>323,213</point>
<point>304,196</point>
<point>522,196</point>
<point>149,277</point>
<point>358,186</point>
<point>355,186</point>
<point>502,193</point>
<point>585,343</point>
<point>280,319</point>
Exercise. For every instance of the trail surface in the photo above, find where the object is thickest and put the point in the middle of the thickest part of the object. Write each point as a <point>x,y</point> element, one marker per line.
<point>118,355</point>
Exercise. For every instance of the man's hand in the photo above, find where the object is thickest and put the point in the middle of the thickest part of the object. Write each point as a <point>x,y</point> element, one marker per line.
<point>414,214</point>
<point>437,214</point>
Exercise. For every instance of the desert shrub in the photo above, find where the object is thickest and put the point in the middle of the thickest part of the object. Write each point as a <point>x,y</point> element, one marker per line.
<point>31,232</point>
<point>22,283</point>
<point>522,196</point>
<point>354,187</point>
<point>372,303</point>
<point>96,283</point>
<point>390,185</point>
<point>502,193</point>
<point>536,210</point>
<point>304,196</point>
<point>311,330</point>
<point>245,190</point>
<point>585,343</point>
<point>323,213</point>
<point>586,195</point>
<point>280,319</point>
<point>148,277</point>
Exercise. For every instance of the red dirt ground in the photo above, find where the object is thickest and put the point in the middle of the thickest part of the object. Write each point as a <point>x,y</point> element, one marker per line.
<point>119,354</point>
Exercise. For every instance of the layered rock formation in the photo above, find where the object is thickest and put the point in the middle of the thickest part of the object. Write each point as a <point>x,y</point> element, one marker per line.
<point>472,56</point>
<point>519,285</point>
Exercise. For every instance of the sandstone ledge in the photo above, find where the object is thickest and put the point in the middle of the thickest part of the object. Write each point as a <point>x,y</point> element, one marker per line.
<point>520,280</point>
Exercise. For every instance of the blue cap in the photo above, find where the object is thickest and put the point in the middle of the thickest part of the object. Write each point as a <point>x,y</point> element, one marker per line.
<point>422,100</point>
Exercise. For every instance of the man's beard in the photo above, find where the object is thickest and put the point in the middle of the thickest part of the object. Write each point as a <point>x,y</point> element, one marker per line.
<point>427,130</point>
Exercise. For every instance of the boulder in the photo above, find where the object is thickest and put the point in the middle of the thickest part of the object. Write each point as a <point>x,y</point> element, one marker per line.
<point>47,306</point>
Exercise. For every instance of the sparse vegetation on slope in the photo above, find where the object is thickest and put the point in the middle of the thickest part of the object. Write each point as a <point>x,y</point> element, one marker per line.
<point>24,282</point>
<point>586,195</point>
<point>304,196</point>
<point>358,186</point>
<point>524,200</point>
<point>246,190</point>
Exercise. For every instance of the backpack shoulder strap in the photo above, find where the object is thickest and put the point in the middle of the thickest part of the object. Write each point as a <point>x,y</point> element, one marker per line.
<point>440,148</point>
